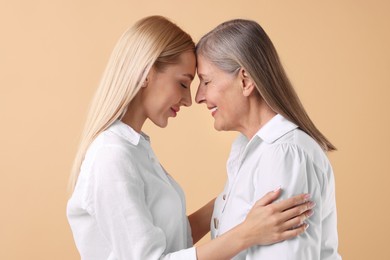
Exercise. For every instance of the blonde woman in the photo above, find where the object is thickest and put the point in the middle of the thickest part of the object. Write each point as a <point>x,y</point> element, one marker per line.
<point>245,87</point>
<point>124,205</point>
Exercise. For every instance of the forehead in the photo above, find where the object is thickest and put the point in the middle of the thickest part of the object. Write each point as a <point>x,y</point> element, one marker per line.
<point>205,67</point>
<point>186,65</point>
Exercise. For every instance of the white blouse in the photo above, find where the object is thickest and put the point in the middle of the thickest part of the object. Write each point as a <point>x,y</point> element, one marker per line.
<point>125,206</point>
<point>280,155</point>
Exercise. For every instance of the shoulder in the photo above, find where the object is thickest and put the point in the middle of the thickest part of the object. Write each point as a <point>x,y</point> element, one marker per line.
<point>112,152</point>
<point>114,145</point>
<point>297,146</point>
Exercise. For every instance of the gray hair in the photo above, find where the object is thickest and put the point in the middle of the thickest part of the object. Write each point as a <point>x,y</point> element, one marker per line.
<point>244,44</point>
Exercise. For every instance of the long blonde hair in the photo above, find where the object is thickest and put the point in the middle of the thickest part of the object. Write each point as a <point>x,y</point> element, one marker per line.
<point>152,41</point>
<point>244,44</point>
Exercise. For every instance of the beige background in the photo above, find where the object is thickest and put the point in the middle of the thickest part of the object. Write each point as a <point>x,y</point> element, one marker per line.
<point>53,52</point>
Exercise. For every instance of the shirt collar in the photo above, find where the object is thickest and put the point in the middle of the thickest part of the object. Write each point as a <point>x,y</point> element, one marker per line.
<point>269,133</point>
<point>275,128</point>
<point>127,132</point>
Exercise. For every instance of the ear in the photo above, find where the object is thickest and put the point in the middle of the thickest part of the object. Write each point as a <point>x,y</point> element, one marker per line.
<point>247,84</point>
<point>150,75</point>
<point>145,83</point>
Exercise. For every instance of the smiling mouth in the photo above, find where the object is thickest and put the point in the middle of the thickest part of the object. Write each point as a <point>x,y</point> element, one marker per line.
<point>213,110</point>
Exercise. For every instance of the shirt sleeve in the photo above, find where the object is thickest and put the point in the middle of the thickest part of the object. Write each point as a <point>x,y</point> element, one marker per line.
<point>288,166</point>
<point>119,207</point>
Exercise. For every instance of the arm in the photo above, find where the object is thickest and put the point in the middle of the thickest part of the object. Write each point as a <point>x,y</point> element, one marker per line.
<point>291,168</point>
<point>200,221</point>
<point>265,224</point>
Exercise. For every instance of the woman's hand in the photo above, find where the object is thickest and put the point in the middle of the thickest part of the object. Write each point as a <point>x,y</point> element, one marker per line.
<point>265,224</point>
<point>268,223</point>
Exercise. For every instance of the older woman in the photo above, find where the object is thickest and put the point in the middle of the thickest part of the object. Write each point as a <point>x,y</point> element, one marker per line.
<point>246,89</point>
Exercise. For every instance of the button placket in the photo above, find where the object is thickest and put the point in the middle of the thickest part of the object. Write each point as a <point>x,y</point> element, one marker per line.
<point>216,223</point>
<point>226,194</point>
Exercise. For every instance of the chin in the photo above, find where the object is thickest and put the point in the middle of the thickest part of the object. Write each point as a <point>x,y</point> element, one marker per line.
<point>221,127</point>
<point>161,123</point>
<point>218,127</point>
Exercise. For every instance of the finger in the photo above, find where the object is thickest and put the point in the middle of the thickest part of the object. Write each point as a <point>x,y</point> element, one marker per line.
<point>291,202</point>
<point>269,197</point>
<point>296,221</point>
<point>288,234</point>
<point>297,210</point>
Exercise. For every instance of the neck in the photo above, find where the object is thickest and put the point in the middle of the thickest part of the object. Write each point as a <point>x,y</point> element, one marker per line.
<point>134,116</point>
<point>259,114</point>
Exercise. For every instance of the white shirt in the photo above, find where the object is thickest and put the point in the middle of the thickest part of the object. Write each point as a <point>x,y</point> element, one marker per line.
<point>280,155</point>
<point>125,206</point>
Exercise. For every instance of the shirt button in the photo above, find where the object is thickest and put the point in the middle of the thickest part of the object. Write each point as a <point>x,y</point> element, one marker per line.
<point>216,223</point>
<point>224,197</point>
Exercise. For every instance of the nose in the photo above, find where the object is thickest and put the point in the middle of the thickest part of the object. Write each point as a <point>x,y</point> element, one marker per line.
<point>187,100</point>
<point>200,96</point>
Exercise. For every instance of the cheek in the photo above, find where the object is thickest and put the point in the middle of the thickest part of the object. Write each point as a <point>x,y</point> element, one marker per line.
<point>229,98</point>
<point>164,99</point>
<point>154,107</point>
<point>234,106</point>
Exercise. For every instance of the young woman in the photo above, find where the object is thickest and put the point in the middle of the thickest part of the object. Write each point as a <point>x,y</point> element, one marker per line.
<point>124,205</point>
<point>244,85</point>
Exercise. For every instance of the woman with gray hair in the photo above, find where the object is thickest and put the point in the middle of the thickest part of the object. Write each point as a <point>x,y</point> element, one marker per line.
<point>245,87</point>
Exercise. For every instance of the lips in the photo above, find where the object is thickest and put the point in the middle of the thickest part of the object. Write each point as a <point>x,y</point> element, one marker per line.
<point>213,110</point>
<point>175,110</point>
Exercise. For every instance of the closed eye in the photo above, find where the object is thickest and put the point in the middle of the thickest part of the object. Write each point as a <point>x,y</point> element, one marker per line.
<point>183,85</point>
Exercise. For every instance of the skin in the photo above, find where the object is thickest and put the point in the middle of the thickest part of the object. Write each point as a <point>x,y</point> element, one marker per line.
<point>232,99</point>
<point>163,93</point>
<point>160,98</point>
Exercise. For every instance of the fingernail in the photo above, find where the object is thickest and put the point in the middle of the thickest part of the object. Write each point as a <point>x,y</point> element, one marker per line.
<point>307,196</point>
<point>278,188</point>
<point>306,226</point>
<point>312,204</point>
<point>310,213</point>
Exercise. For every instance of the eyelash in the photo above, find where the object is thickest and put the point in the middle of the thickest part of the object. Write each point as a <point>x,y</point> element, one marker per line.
<point>206,83</point>
<point>184,86</point>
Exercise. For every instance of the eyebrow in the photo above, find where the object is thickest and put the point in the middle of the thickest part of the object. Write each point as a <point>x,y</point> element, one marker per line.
<point>191,77</point>
<point>200,75</point>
